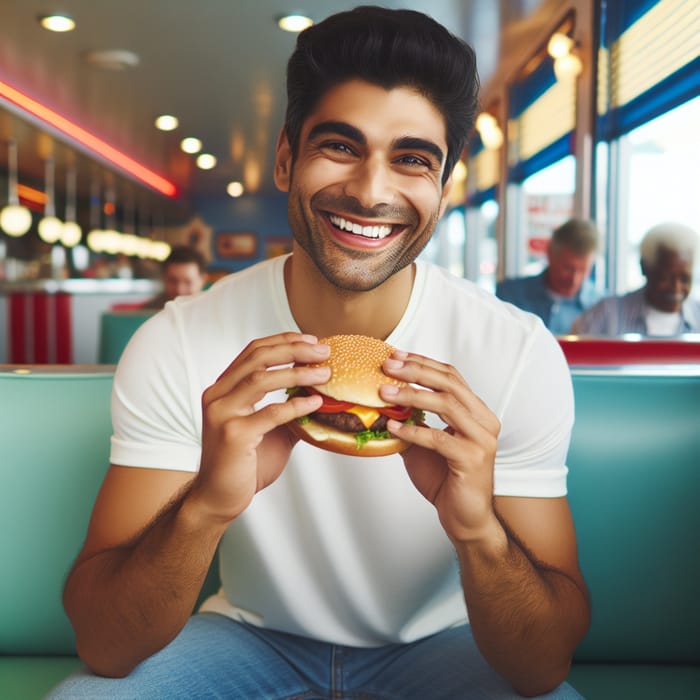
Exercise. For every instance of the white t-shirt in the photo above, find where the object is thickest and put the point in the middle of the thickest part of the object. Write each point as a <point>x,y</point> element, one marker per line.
<point>662,323</point>
<point>345,549</point>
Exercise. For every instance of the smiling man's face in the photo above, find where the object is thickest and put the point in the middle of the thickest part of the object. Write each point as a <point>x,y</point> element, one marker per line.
<point>365,188</point>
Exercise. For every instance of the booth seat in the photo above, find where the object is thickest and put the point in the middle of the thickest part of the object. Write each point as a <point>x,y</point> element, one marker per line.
<point>633,486</point>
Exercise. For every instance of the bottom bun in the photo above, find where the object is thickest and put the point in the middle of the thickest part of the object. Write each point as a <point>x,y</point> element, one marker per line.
<point>328,438</point>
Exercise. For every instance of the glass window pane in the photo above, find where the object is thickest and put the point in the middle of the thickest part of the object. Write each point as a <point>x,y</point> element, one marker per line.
<point>663,172</point>
<point>548,202</point>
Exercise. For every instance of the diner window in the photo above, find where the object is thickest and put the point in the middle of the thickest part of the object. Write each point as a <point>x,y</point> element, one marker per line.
<point>447,245</point>
<point>658,164</point>
<point>548,201</point>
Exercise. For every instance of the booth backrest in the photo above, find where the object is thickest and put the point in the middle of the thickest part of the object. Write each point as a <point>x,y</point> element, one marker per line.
<point>634,489</point>
<point>634,482</point>
<point>54,436</point>
<point>116,328</point>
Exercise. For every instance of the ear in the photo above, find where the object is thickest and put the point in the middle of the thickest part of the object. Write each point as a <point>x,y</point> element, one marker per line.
<point>283,162</point>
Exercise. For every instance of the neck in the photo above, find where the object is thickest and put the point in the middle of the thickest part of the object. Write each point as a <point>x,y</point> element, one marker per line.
<point>322,309</point>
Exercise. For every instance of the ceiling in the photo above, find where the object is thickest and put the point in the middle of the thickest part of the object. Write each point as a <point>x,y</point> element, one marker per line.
<point>218,65</point>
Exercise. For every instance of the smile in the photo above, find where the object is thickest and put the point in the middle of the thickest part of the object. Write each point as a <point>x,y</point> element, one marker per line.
<point>375,232</point>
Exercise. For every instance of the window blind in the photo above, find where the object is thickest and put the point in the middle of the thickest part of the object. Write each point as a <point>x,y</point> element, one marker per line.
<point>648,63</point>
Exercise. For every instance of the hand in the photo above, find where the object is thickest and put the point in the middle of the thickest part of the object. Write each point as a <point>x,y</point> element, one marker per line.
<point>244,449</point>
<point>452,468</point>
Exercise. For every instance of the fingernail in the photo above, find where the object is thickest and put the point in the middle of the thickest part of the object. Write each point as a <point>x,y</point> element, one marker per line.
<point>308,338</point>
<point>322,350</point>
<point>400,354</point>
<point>389,389</point>
<point>393,363</point>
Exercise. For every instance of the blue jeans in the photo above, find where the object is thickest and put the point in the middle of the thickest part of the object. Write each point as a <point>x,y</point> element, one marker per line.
<point>216,657</point>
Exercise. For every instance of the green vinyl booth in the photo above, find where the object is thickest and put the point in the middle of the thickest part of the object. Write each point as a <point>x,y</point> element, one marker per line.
<point>116,328</point>
<point>633,486</point>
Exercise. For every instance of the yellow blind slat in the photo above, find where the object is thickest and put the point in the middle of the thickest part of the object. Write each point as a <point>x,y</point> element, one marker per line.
<point>547,119</point>
<point>658,44</point>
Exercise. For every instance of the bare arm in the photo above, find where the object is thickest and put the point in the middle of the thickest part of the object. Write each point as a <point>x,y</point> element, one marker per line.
<point>138,576</point>
<point>153,533</point>
<point>527,602</point>
<point>528,608</point>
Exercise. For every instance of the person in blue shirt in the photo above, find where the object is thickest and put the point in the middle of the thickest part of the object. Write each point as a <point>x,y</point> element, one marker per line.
<point>564,290</point>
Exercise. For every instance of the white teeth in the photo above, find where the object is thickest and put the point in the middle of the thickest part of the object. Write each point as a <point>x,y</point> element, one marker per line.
<point>358,229</point>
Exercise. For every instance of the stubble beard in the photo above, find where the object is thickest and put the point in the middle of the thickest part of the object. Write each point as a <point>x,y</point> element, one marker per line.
<point>347,269</point>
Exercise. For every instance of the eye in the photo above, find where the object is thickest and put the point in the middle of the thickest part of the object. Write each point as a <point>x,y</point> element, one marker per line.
<point>414,160</point>
<point>337,147</point>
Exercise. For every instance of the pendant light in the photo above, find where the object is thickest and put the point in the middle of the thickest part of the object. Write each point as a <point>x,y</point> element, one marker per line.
<point>50,227</point>
<point>15,220</point>
<point>71,233</point>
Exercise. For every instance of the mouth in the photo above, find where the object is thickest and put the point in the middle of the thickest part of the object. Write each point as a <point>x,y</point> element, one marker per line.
<point>374,232</point>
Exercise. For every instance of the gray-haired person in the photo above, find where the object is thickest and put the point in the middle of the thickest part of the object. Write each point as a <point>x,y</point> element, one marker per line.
<point>663,306</point>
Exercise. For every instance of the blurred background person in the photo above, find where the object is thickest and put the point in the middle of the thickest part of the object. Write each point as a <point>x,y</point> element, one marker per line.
<point>184,272</point>
<point>564,290</point>
<point>662,307</point>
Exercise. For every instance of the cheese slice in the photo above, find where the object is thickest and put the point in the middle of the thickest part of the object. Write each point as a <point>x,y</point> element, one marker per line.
<point>365,414</point>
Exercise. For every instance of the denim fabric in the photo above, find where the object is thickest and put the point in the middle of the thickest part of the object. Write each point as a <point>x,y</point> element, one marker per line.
<point>216,657</point>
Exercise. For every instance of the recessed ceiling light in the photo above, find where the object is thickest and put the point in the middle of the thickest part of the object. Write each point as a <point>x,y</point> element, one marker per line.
<point>166,122</point>
<point>206,161</point>
<point>191,145</point>
<point>57,23</point>
<point>235,189</point>
<point>295,22</point>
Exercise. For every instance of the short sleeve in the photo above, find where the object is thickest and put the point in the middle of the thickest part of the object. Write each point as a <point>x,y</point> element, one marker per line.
<point>153,411</point>
<point>537,420</point>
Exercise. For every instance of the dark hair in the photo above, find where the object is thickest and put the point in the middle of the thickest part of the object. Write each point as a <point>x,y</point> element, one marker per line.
<point>181,254</point>
<point>578,235</point>
<point>389,48</point>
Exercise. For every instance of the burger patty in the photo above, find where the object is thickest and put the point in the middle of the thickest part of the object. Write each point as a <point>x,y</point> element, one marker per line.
<point>348,422</point>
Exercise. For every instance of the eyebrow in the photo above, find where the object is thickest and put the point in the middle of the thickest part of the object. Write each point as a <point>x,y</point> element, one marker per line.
<point>410,143</point>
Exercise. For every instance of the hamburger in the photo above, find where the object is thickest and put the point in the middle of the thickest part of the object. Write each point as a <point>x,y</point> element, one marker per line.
<point>352,419</point>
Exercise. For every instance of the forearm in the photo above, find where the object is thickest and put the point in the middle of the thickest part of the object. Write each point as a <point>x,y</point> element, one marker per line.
<point>128,602</point>
<point>527,618</point>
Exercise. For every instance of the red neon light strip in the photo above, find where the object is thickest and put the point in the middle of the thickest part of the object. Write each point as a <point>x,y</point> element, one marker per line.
<point>88,140</point>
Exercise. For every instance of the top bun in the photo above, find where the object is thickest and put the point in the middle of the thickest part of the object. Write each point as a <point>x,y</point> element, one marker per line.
<point>356,369</point>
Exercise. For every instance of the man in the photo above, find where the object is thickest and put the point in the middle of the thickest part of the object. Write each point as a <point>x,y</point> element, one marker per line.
<point>342,576</point>
<point>184,272</point>
<point>661,307</point>
<point>564,290</point>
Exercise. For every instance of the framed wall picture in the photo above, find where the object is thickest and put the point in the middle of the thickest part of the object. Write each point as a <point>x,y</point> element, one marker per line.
<point>236,244</point>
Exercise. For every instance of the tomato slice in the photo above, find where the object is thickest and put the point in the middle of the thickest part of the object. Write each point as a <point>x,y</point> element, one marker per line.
<point>329,404</point>
<point>396,412</point>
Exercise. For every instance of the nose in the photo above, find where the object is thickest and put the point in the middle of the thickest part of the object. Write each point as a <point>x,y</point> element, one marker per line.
<point>371,182</point>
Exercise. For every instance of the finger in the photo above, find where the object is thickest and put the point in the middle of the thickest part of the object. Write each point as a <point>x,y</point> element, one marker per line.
<point>444,382</point>
<point>440,441</point>
<point>458,450</point>
<point>265,419</point>
<point>253,387</point>
<point>274,351</point>
<point>458,417</point>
